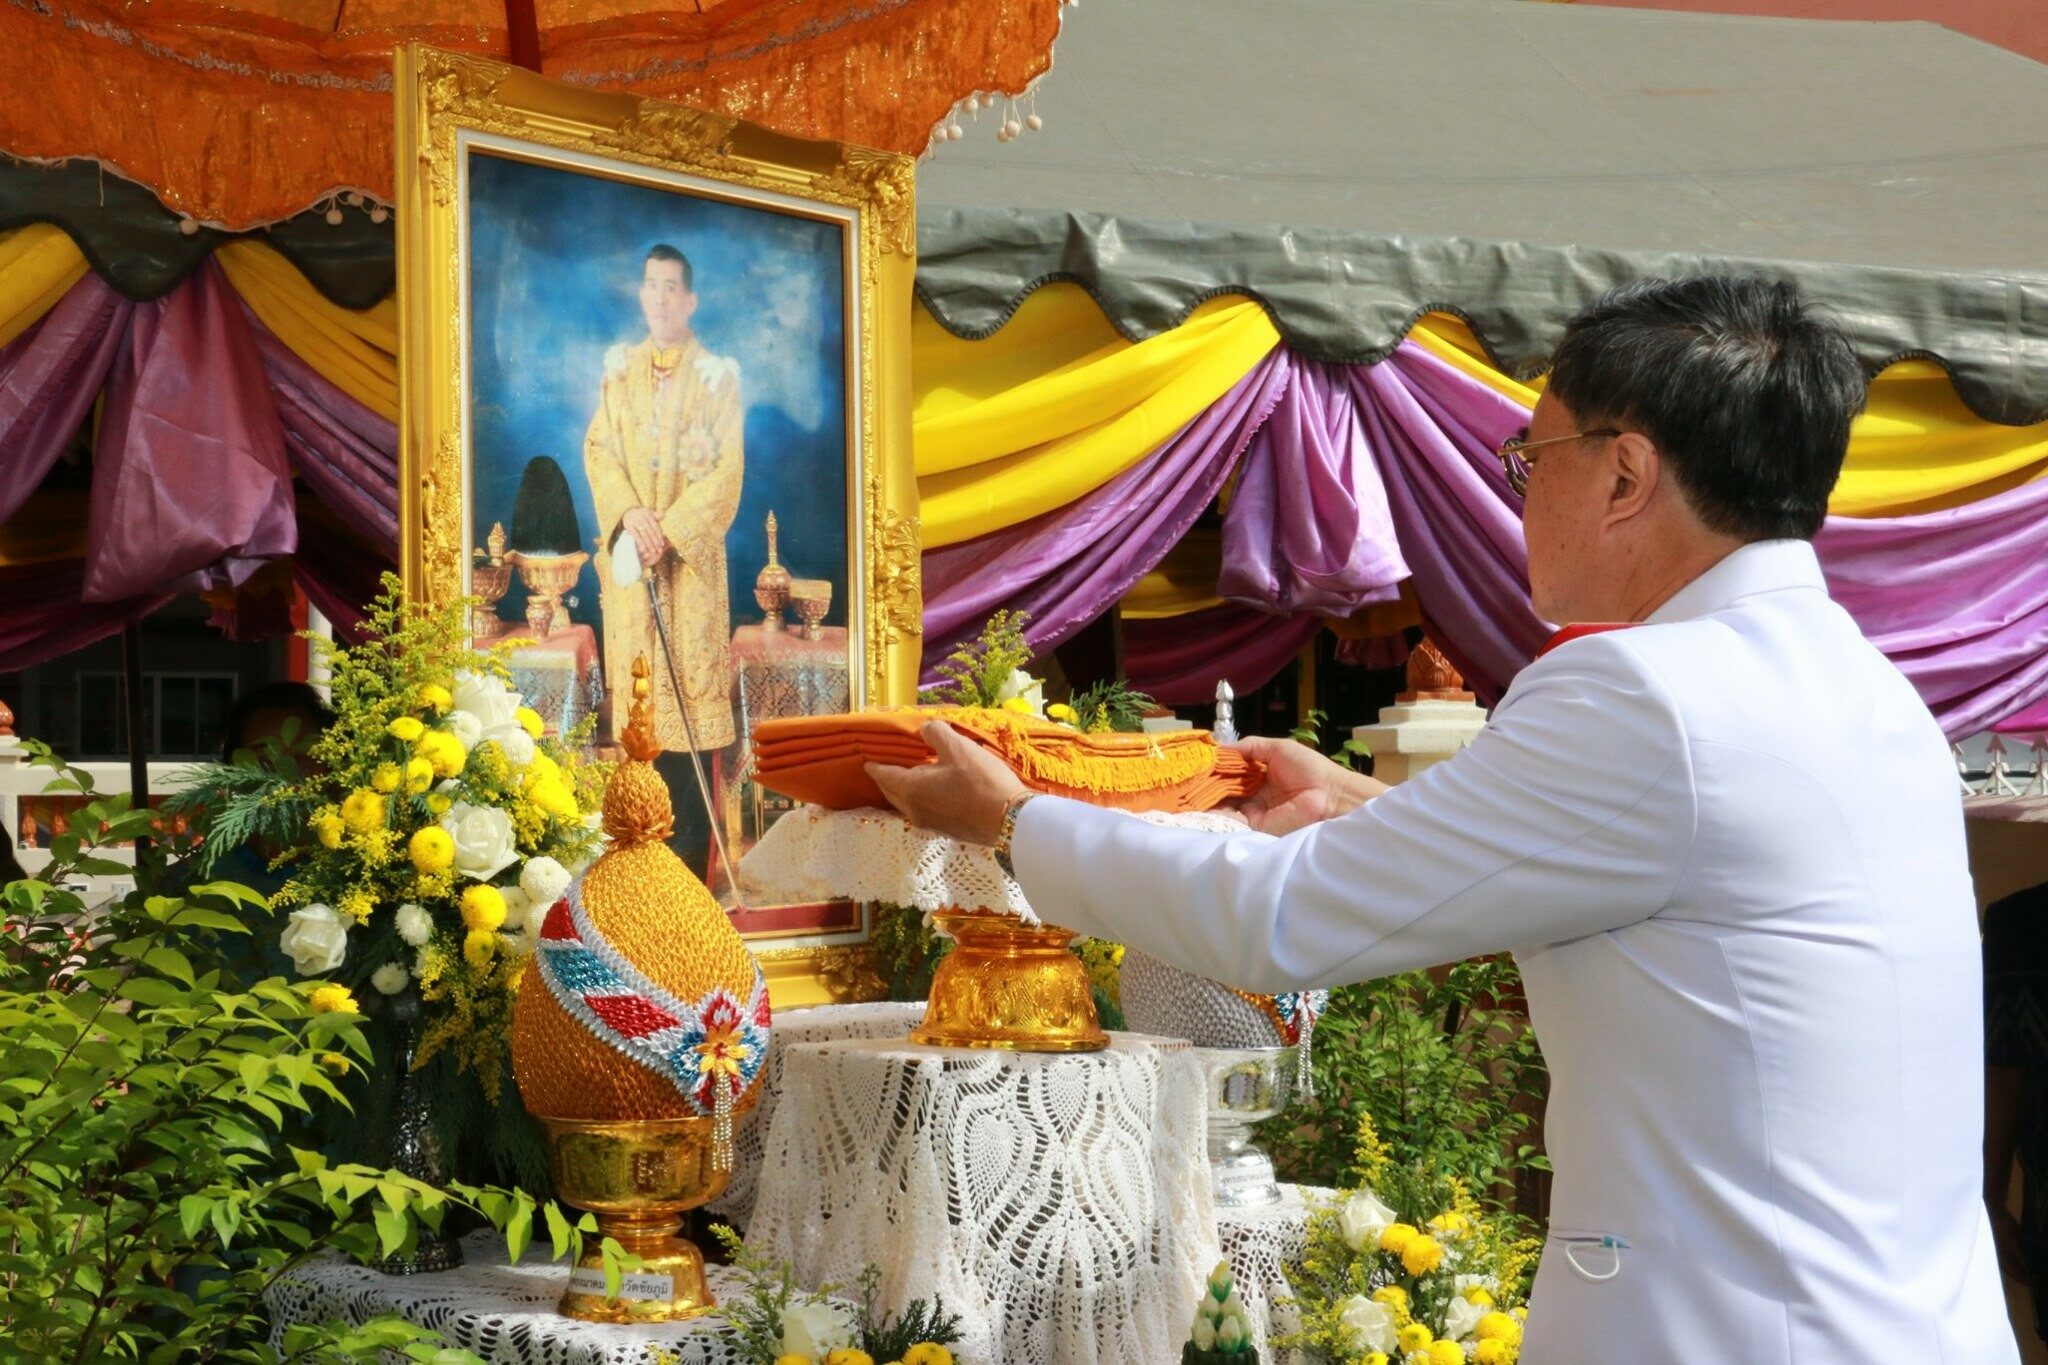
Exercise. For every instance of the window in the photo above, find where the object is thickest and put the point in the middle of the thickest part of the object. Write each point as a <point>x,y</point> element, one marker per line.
<point>187,715</point>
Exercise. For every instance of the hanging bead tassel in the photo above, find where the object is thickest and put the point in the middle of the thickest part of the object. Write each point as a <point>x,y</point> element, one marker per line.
<point>721,1128</point>
<point>1304,1067</point>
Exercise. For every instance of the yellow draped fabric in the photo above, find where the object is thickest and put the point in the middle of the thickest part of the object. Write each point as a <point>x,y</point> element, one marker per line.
<point>356,352</point>
<point>1915,448</point>
<point>1185,580</point>
<point>50,525</point>
<point>38,265</point>
<point>1056,404</point>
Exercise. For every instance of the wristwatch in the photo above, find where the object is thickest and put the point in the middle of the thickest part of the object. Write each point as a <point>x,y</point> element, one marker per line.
<point>1008,830</point>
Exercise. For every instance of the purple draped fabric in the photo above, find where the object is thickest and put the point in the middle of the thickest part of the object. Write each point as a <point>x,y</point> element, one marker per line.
<point>347,454</point>
<point>42,617</point>
<point>191,490</point>
<point>1067,567</point>
<point>49,376</point>
<point>1308,528</point>
<point>1177,659</point>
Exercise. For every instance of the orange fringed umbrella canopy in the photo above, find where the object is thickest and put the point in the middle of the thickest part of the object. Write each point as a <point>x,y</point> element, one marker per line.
<point>248,111</point>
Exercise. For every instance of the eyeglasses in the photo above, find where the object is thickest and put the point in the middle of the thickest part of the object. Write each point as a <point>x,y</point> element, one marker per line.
<point>1516,462</point>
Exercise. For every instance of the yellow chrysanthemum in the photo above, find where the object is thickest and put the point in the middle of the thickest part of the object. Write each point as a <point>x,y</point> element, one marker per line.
<point>1393,1296</point>
<point>927,1353</point>
<point>483,907</point>
<point>331,998</point>
<point>848,1355</point>
<point>542,769</point>
<point>335,1063</point>
<point>1414,1337</point>
<point>432,849</point>
<point>1376,1358</point>
<point>1452,1224</point>
<point>1446,1353</point>
<point>1422,1255</point>
<point>385,779</point>
<point>439,802</point>
<point>328,827</point>
<point>363,810</point>
<point>1397,1237</point>
<point>437,699</point>
<point>1021,705</point>
<point>1063,713</point>
<point>1498,1327</point>
<point>443,751</point>
<point>419,775</point>
<point>1477,1295</point>
<point>478,947</point>
<point>555,798</point>
<point>529,721</point>
<point>1494,1353</point>
<point>406,729</point>
<point>794,1360</point>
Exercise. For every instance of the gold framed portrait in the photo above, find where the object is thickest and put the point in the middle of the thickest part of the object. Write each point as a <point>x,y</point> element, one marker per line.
<point>655,400</point>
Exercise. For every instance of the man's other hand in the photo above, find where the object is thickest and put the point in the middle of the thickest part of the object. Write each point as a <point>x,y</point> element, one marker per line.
<point>962,794</point>
<point>647,536</point>
<point>1302,787</point>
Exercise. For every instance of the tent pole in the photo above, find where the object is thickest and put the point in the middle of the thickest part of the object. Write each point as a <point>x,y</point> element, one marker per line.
<point>138,743</point>
<point>522,29</point>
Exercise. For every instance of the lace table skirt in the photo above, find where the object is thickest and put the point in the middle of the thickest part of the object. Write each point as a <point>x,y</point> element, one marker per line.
<point>1259,1243</point>
<point>504,1313</point>
<point>1059,1203</point>
<point>818,1024</point>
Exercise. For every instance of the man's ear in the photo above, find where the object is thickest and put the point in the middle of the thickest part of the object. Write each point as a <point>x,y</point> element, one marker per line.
<point>1635,466</point>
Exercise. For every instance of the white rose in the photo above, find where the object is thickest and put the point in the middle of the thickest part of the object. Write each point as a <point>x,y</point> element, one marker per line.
<point>812,1330</point>
<point>543,880</point>
<point>490,701</point>
<point>1371,1324</point>
<point>514,741</point>
<point>315,939</point>
<point>1462,1317</point>
<point>1022,684</point>
<point>391,978</point>
<point>466,728</point>
<point>414,924</point>
<point>484,844</point>
<point>1362,1219</point>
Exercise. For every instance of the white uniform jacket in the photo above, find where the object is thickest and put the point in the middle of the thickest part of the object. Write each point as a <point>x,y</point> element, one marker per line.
<point>1726,848</point>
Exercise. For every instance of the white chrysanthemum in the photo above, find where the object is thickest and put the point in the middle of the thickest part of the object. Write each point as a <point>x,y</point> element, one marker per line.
<point>543,880</point>
<point>516,945</point>
<point>466,728</point>
<point>414,924</point>
<point>391,978</point>
<point>517,745</point>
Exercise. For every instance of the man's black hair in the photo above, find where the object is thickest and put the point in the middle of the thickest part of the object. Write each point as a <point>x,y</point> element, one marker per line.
<point>662,251</point>
<point>1744,387</point>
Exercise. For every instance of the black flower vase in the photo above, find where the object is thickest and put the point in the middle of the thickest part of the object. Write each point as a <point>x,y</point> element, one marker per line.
<point>413,1144</point>
<point>1190,1354</point>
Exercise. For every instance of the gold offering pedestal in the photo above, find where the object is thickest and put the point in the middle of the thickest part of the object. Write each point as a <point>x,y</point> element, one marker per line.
<point>1010,985</point>
<point>639,1176</point>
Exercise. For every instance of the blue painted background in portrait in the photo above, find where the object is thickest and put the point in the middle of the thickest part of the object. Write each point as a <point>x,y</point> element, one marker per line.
<point>555,266</point>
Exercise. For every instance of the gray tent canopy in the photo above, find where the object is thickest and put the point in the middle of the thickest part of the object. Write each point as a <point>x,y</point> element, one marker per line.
<point>1354,164</point>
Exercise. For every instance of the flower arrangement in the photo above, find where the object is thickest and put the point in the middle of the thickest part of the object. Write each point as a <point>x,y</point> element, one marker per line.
<point>991,672</point>
<point>1409,1270</point>
<point>776,1323</point>
<point>432,828</point>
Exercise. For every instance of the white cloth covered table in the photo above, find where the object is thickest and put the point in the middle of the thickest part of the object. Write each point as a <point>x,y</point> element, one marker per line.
<point>817,1024</point>
<point>504,1313</point>
<point>1259,1243</point>
<point>1059,1203</point>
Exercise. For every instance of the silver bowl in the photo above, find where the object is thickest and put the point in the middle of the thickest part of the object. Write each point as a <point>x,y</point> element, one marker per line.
<point>1243,1087</point>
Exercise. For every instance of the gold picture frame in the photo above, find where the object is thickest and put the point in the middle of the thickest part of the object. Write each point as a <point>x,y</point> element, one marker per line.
<point>452,108</point>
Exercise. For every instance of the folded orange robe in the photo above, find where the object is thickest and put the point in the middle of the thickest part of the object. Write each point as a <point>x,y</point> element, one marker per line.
<point>820,759</point>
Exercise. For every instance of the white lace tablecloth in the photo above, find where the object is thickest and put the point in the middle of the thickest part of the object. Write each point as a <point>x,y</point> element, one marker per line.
<point>815,854</point>
<point>1259,1243</point>
<point>818,1024</point>
<point>504,1313</point>
<point>1059,1203</point>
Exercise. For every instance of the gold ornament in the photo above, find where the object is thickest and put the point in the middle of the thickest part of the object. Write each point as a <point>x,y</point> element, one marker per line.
<point>638,1037</point>
<point>1009,985</point>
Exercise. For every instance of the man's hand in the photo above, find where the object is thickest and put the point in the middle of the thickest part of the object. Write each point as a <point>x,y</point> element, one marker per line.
<point>647,536</point>
<point>961,795</point>
<point>1302,787</point>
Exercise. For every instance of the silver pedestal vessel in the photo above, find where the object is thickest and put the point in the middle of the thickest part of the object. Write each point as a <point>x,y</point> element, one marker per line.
<point>1243,1087</point>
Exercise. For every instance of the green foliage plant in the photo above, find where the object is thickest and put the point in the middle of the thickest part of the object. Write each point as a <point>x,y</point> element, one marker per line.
<point>148,1194</point>
<point>979,673</point>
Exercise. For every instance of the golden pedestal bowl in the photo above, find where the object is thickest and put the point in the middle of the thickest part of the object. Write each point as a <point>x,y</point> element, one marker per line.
<point>639,1176</point>
<point>1012,985</point>
<point>548,579</point>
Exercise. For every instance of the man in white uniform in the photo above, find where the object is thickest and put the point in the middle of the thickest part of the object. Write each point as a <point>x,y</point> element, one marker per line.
<point>1725,847</point>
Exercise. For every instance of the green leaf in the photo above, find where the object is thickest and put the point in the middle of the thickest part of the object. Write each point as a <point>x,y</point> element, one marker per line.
<point>232,891</point>
<point>518,1233</point>
<point>170,962</point>
<point>193,1211</point>
<point>558,1228</point>
<point>391,1228</point>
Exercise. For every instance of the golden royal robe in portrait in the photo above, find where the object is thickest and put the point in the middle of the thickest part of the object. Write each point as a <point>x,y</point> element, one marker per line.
<point>667,437</point>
